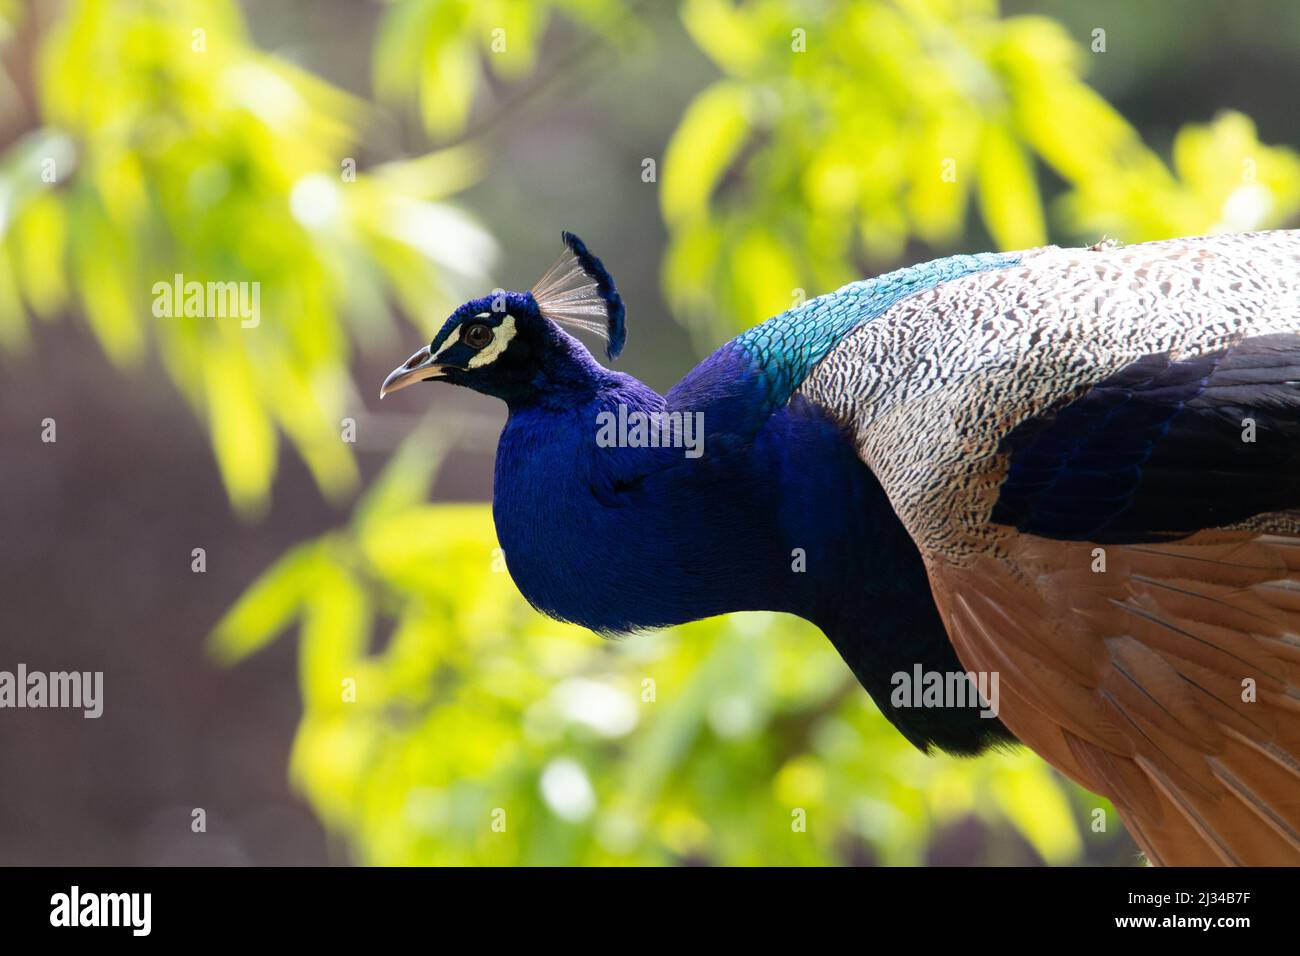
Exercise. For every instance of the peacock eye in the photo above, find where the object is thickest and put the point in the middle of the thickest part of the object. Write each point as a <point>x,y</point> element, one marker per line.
<point>476,335</point>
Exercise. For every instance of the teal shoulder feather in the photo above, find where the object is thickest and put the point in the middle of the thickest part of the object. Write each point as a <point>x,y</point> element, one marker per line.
<point>786,347</point>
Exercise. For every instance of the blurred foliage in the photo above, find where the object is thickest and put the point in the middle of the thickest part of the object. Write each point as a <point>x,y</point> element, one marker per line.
<point>438,55</point>
<point>170,146</point>
<point>700,744</point>
<point>842,130</point>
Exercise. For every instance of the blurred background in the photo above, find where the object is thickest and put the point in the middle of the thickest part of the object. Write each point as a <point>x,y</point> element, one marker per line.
<point>344,673</point>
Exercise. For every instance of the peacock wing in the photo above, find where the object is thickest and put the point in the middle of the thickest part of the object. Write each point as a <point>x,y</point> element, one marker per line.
<point>1098,453</point>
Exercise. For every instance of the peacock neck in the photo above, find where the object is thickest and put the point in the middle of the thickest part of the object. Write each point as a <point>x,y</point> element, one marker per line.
<point>565,378</point>
<point>793,521</point>
<point>618,537</point>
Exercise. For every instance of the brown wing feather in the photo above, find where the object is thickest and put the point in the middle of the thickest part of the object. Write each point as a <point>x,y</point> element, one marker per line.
<point>1134,681</point>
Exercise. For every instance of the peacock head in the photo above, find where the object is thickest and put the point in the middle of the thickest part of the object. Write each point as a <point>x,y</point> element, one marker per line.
<point>506,343</point>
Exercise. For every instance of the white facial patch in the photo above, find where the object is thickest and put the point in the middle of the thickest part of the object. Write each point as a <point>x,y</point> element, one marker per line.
<point>501,337</point>
<point>504,333</point>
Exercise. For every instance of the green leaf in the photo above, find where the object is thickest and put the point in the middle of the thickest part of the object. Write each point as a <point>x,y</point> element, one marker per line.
<point>13,329</point>
<point>334,636</point>
<point>407,478</point>
<point>242,435</point>
<point>708,138</point>
<point>1008,191</point>
<point>267,607</point>
<point>40,236</point>
<point>448,80</point>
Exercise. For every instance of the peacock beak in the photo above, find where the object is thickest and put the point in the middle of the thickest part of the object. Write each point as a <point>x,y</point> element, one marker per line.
<point>420,367</point>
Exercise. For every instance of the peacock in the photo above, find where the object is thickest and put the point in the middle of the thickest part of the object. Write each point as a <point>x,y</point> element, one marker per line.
<point>1075,471</point>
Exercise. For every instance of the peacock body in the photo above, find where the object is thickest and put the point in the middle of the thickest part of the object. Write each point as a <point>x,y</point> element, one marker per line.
<point>1075,469</point>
